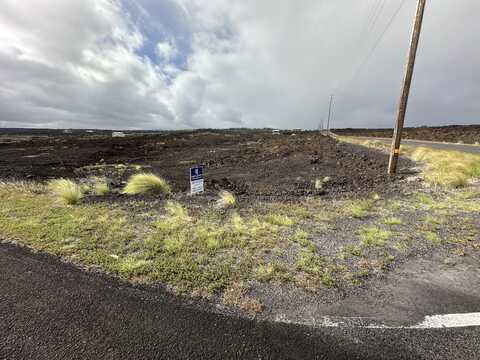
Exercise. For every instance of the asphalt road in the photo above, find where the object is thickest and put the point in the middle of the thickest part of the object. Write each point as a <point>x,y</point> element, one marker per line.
<point>474,149</point>
<point>51,310</point>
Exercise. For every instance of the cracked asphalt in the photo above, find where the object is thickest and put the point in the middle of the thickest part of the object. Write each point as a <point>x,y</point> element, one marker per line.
<point>51,310</point>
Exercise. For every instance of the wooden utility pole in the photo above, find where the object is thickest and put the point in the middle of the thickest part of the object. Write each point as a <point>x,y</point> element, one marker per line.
<point>329,114</point>
<point>402,107</point>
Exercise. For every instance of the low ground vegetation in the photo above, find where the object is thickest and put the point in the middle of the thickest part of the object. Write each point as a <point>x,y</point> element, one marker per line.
<point>66,191</point>
<point>144,183</point>
<point>209,252</point>
<point>225,247</point>
<point>442,168</point>
<point>100,187</point>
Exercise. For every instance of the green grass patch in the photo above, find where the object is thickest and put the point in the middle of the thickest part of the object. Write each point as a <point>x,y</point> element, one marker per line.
<point>315,266</point>
<point>207,252</point>
<point>279,220</point>
<point>272,271</point>
<point>433,237</point>
<point>358,209</point>
<point>374,236</point>
<point>352,249</point>
<point>392,221</point>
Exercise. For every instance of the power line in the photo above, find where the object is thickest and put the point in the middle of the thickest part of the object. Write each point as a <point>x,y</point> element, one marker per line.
<point>375,46</point>
<point>375,20</point>
<point>366,29</point>
<point>375,11</point>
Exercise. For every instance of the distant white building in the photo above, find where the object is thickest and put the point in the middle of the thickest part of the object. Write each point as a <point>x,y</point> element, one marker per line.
<point>118,134</point>
<point>67,131</point>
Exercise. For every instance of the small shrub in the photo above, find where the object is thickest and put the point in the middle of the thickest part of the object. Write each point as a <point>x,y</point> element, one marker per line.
<point>226,199</point>
<point>143,183</point>
<point>67,191</point>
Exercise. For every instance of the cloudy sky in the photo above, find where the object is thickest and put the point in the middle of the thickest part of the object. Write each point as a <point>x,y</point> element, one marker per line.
<point>171,64</point>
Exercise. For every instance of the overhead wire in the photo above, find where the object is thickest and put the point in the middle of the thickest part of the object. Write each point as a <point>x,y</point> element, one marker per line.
<point>376,43</point>
<point>378,14</point>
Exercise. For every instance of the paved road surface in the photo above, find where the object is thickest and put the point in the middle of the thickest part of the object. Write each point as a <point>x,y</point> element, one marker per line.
<point>50,310</point>
<point>474,149</point>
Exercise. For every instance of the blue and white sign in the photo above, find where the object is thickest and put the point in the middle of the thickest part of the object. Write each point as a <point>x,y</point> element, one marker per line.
<point>196,180</point>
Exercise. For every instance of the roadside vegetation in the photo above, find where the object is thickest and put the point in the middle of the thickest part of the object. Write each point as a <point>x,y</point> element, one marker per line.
<point>221,247</point>
<point>443,168</point>
<point>223,252</point>
<point>447,168</point>
<point>101,187</point>
<point>144,183</point>
<point>226,199</point>
<point>66,191</point>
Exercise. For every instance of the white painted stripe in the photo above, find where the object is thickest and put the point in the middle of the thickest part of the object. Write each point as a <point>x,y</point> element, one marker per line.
<point>449,321</point>
<point>429,322</point>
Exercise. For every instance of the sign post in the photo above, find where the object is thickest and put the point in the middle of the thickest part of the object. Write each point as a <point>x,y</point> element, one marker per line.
<point>196,180</point>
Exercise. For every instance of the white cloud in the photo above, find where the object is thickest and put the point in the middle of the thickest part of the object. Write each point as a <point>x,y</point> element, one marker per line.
<point>167,51</point>
<point>74,63</point>
<point>231,63</point>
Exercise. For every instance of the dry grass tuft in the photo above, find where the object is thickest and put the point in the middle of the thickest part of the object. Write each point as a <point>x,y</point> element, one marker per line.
<point>226,200</point>
<point>448,168</point>
<point>144,183</point>
<point>23,187</point>
<point>67,191</point>
<point>100,187</point>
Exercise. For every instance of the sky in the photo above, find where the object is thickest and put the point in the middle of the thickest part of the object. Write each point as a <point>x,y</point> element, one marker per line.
<point>181,64</point>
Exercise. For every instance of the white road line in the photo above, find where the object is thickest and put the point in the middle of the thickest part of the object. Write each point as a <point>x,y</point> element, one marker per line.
<point>449,321</point>
<point>429,322</point>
